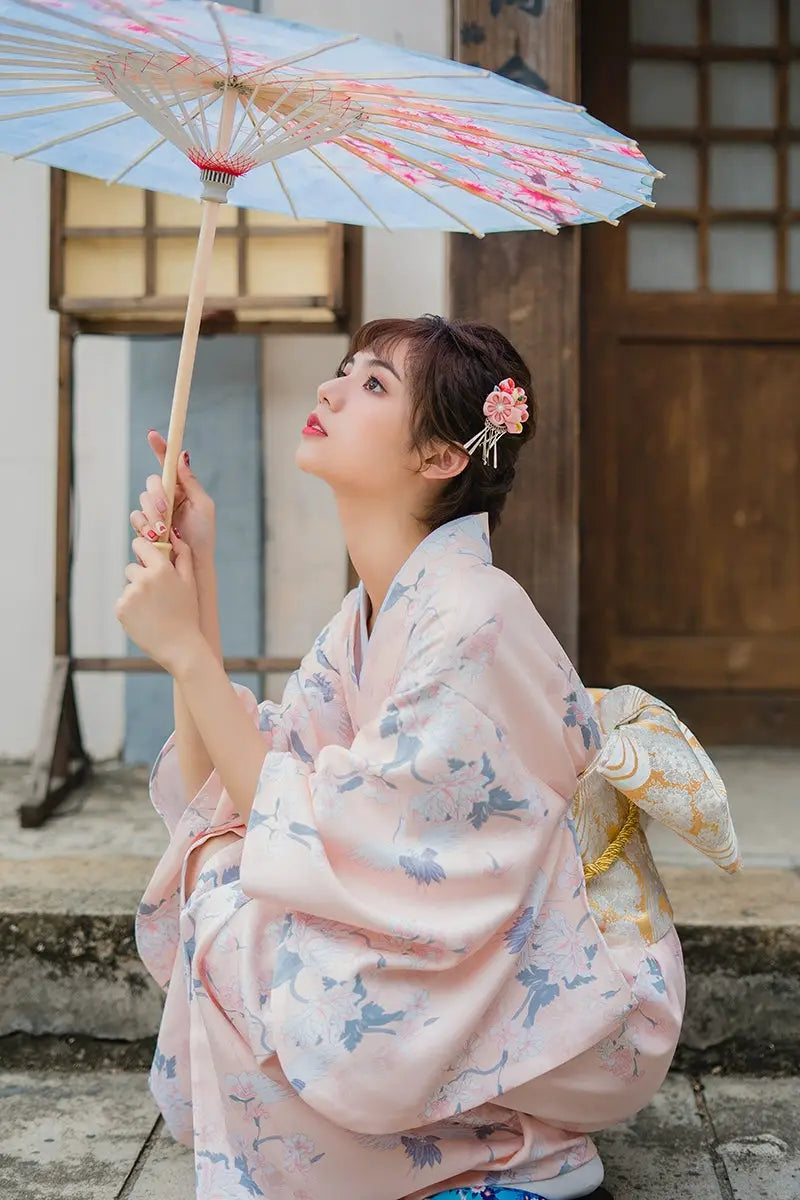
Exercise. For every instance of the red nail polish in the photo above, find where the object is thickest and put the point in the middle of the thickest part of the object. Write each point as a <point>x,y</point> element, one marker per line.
<point>176,532</point>
<point>186,458</point>
<point>151,533</point>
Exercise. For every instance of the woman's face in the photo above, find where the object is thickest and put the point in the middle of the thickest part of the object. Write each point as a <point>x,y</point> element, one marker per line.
<point>357,438</point>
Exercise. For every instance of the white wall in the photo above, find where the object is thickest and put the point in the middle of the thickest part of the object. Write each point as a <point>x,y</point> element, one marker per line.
<point>102,532</point>
<point>404,276</point>
<point>28,412</point>
<point>28,347</point>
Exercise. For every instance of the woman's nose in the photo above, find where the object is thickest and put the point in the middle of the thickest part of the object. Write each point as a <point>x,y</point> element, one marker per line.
<point>328,393</point>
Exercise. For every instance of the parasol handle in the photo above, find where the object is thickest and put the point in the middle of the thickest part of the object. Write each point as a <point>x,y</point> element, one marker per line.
<point>194,314</point>
<point>186,358</point>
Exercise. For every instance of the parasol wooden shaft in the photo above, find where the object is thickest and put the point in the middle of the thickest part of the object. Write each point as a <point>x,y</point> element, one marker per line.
<point>191,332</point>
<point>191,325</point>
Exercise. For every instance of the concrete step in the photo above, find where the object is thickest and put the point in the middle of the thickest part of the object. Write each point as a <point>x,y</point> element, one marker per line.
<point>94,1136</point>
<point>69,968</point>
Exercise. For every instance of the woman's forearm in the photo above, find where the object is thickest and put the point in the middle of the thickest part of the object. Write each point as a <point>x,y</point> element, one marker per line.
<point>235,746</point>
<point>206,577</point>
<point>193,757</point>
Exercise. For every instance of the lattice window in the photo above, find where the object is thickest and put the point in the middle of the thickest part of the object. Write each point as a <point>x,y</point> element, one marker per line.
<point>122,258</point>
<point>714,99</point>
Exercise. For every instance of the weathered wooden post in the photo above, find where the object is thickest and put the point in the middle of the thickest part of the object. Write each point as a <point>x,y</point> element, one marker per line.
<point>527,284</point>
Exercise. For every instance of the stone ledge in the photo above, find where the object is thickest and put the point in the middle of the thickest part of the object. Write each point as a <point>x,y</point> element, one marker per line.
<point>79,974</point>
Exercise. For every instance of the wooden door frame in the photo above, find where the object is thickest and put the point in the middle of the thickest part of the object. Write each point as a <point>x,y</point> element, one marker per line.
<point>725,715</point>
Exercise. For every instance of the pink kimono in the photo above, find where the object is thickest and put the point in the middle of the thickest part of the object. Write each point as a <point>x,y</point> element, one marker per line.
<point>395,981</point>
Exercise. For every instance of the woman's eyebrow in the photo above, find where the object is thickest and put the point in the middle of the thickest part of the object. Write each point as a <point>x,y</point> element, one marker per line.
<point>382,362</point>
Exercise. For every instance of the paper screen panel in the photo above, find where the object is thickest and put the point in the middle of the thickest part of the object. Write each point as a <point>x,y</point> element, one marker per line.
<point>288,266</point>
<point>92,204</point>
<point>101,268</point>
<point>174,261</point>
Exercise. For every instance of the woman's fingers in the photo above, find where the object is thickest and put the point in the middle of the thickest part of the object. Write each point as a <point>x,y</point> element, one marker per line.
<point>155,488</point>
<point>139,523</point>
<point>142,526</point>
<point>153,517</point>
<point>158,445</point>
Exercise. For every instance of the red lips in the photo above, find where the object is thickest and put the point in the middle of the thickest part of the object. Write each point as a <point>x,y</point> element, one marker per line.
<point>315,427</point>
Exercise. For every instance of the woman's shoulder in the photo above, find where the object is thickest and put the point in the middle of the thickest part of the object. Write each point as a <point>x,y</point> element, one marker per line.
<point>484,595</point>
<point>497,650</point>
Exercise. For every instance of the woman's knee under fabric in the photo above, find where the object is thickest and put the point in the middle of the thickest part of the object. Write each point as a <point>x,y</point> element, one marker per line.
<point>201,854</point>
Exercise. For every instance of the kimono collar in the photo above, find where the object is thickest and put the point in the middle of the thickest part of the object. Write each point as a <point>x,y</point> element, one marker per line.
<point>467,536</point>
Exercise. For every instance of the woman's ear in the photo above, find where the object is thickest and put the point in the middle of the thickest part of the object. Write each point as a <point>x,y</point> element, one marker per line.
<point>444,462</point>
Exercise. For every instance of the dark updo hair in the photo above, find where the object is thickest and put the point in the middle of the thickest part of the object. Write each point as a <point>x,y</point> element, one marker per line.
<point>451,367</point>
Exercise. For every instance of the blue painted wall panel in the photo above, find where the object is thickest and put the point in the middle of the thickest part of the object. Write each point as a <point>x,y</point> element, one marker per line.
<point>223,436</point>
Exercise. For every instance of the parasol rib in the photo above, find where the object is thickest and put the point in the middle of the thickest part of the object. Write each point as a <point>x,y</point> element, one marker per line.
<point>285,190</point>
<point>276,65</point>
<point>448,133</point>
<point>639,166</point>
<point>146,21</point>
<point>412,187</point>
<point>69,137</point>
<point>52,108</point>
<point>49,91</point>
<point>380,98</point>
<point>73,40</point>
<point>246,111</point>
<point>332,167</point>
<point>39,64</point>
<point>160,118</point>
<point>66,54</point>
<point>520,180</point>
<point>213,10</point>
<point>338,79</point>
<point>304,140</point>
<point>472,189</point>
<point>253,138</point>
<point>153,147</point>
<point>120,35</point>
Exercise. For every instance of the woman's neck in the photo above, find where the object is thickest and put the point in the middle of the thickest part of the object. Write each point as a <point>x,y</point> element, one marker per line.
<point>379,541</point>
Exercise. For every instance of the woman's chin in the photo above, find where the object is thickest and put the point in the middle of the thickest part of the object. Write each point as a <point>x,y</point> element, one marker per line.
<point>308,458</point>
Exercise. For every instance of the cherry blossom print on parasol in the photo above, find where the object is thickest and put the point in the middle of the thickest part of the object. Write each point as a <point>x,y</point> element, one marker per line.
<point>346,130</point>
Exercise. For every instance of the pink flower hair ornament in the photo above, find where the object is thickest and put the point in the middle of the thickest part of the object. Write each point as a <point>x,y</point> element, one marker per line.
<point>506,410</point>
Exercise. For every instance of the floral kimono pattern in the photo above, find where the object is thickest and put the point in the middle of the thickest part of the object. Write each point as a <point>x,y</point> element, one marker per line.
<point>394,983</point>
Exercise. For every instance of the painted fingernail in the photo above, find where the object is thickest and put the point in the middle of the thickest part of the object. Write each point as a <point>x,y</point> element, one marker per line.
<point>186,458</point>
<point>160,528</point>
<point>176,532</point>
<point>151,533</point>
<point>161,505</point>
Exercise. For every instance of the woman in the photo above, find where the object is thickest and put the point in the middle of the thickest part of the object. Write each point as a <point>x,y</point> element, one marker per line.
<point>384,978</point>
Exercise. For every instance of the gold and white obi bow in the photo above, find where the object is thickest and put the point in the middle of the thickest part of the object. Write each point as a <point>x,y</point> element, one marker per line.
<point>649,763</point>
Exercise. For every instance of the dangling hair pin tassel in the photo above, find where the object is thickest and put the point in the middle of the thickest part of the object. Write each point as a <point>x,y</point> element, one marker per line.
<point>505,409</point>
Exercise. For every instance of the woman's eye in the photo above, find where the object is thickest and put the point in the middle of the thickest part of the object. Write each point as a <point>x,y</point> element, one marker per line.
<point>377,382</point>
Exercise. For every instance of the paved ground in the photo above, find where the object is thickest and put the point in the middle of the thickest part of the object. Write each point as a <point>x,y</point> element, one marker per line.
<point>93,1136</point>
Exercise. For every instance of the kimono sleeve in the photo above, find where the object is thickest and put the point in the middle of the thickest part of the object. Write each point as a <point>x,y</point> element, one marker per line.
<point>312,713</point>
<point>399,861</point>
